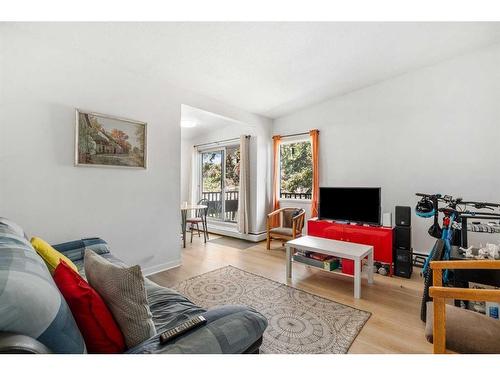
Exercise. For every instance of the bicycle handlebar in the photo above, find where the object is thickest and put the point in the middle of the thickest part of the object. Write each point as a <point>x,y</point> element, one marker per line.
<point>456,201</point>
<point>428,195</point>
<point>480,205</point>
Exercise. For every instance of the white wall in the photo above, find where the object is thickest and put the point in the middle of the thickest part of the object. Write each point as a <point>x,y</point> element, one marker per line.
<point>136,211</point>
<point>186,156</point>
<point>260,142</point>
<point>434,130</point>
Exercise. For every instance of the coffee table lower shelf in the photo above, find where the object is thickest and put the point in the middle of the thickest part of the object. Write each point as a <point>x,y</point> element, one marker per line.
<point>336,271</point>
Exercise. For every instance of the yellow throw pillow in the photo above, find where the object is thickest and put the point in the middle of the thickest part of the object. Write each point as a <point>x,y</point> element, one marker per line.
<point>51,256</point>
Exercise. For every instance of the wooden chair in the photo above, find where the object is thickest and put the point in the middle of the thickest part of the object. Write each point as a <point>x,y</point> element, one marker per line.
<point>291,223</point>
<point>200,217</point>
<point>476,325</point>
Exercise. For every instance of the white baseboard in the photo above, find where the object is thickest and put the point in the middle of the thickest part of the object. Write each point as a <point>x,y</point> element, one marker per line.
<point>161,267</point>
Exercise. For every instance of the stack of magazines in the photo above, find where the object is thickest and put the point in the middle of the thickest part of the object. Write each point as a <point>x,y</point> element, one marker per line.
<point>324,261</point>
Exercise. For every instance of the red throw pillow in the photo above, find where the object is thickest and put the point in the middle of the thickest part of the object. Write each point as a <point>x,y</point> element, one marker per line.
<point>95,321</point>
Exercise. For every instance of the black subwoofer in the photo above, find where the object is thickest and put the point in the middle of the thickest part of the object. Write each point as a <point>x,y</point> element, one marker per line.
<point>403,265</point>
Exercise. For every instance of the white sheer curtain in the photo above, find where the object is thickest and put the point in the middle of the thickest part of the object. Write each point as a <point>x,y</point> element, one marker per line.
<point>194,181</point>
<point>244,193</point>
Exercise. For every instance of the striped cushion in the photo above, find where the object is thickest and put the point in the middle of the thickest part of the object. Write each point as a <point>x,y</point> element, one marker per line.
<point>30,302</point>
<point>75,250</point>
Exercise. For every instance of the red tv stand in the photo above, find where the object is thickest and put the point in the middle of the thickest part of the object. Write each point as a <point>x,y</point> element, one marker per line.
<point>379,237</point>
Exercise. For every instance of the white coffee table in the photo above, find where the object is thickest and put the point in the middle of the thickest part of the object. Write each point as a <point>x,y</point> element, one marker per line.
<point>341,249</point>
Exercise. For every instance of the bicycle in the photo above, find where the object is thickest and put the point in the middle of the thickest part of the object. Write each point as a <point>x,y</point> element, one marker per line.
<point>447,234</point>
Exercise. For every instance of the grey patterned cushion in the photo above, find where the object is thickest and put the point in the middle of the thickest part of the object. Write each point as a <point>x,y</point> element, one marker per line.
<point>122,288</point>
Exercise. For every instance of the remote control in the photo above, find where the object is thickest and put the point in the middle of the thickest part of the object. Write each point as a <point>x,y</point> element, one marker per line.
<point>181,329</point>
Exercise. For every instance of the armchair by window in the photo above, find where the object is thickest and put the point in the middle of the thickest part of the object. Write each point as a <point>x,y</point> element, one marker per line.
<point>290,224</point>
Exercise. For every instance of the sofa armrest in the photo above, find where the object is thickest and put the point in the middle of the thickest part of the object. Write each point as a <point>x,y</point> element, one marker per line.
<point>13,343</point>
<point>75,250</point>
<point>229,330</point>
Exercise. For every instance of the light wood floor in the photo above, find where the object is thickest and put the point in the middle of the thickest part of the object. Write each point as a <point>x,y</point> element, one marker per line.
<point>394,326</point>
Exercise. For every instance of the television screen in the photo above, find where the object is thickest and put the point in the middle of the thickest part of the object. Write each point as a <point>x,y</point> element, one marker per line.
<point>358,204</point>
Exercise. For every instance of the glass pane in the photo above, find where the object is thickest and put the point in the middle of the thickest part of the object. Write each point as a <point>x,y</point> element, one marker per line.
<point>232,181</point>
<point>296,170</point>
<point>211,171</point>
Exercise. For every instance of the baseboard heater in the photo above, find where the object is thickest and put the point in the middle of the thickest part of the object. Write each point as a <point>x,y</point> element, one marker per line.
<point>252,236</point>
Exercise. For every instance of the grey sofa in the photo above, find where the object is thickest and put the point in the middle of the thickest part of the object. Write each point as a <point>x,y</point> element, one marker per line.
<point>34,318</point>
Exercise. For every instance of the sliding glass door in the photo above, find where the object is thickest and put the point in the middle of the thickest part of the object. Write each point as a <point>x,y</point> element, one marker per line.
<point>220,178</point>
<point>211,182</point>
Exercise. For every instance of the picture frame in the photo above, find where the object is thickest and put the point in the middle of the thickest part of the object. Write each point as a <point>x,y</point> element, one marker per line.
<point>103,140</point>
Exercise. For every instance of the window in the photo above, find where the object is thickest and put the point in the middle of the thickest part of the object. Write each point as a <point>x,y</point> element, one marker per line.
<point>220,178</point>
<point>296,170</point>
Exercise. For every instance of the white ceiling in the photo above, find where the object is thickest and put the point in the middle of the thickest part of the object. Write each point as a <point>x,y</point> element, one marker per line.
<point>271,69</point>
<point>206,122</point>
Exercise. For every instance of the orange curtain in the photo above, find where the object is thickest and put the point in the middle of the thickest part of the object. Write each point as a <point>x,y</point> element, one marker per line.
<point>276,178</point>
<point>315,167</point>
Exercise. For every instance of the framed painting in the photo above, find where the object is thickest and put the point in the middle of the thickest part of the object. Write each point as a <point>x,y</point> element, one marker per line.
<point>109,141</point>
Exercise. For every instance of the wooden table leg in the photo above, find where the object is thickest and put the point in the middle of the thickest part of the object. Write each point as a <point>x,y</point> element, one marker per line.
<point>184,218</point>
<point>357,278</point>
<point>288,262</point>
<point>439,326</point>
<point>204,225</point>
<point>439,323</point>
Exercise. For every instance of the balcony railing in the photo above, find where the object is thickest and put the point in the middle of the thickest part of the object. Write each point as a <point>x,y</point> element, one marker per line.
<point>215,204</point>
<point>285,195</point>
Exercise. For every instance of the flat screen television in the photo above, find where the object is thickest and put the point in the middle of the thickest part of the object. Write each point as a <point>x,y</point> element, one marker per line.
<point>353,204</point>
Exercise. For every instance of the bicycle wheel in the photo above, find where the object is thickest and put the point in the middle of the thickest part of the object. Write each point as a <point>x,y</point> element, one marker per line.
<point>436,254</point>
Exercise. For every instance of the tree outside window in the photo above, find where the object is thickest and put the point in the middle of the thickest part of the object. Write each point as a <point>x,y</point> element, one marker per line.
<point>296,170</point>
<point>212,171</point>
<point>232,168</point>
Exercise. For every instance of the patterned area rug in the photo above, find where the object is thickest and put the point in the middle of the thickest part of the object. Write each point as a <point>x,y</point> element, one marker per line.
<point>299,322</point>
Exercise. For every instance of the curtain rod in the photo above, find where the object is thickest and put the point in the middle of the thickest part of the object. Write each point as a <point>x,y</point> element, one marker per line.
<point>294,135</point>
<point>219,142</point>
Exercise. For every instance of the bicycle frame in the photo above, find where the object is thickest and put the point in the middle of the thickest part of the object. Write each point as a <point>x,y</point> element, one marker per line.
<point>447,237</point>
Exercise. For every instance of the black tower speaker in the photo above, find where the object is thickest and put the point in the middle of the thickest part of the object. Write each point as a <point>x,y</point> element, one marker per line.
<point>403,253</point>
<point>404,263</point>
<point>403,216</point>
<point>402,238</point>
